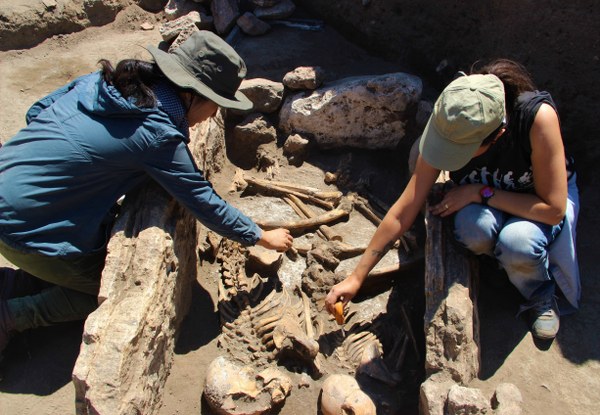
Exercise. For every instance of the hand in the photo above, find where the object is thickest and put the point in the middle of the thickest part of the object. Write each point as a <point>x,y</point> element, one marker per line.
<point>456,199</point>
<point>278,239</point>
<point>344,292</point>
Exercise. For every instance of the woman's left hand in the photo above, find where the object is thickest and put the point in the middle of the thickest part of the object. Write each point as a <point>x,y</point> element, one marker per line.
<point>456,199</point>
<point>278,239</point>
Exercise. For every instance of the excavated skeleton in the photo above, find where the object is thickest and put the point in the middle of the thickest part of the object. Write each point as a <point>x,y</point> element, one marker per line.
<point>266,324</point>
<point>264,321</point>
<point>278,326</point>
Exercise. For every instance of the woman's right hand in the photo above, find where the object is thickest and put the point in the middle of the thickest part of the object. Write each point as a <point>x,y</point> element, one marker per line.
<point>278,239</point>
<point>343,291</point>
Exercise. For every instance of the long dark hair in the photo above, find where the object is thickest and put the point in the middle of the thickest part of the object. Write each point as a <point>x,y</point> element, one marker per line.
<point>514,76</point>
<point>133,79</point>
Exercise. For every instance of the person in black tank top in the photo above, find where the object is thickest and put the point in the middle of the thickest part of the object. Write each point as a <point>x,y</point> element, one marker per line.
<point>515,197</point>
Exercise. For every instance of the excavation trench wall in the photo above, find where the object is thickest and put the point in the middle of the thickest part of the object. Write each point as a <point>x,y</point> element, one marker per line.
<point>557,41</point>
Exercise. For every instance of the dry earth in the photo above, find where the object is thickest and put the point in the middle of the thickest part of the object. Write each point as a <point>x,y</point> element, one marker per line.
<point>562,378</point>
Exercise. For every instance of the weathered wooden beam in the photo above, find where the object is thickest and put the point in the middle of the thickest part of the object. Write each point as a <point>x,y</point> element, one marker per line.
<point>451,319</point>
<point>128,342</point>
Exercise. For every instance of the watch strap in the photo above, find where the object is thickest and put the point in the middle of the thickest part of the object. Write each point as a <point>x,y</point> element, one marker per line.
<point>486,193</point>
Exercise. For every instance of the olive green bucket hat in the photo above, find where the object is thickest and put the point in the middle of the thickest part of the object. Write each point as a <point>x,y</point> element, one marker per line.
<point>468,110</point>
<point>206,64</point>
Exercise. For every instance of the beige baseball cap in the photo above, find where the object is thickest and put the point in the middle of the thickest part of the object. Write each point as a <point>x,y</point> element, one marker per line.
<point>468,110</point>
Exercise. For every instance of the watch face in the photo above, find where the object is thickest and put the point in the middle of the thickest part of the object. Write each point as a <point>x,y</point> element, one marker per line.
<point>487,192</point>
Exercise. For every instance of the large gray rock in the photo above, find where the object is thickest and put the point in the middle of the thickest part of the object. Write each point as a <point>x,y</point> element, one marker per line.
<point>507,400</point>
<point>266,95</point>
<point>364,112</point>
<point>280,10</point>
<point>304,77</point>
<point>225,14</point>
<point>433,394</point>
<point>467,401</point>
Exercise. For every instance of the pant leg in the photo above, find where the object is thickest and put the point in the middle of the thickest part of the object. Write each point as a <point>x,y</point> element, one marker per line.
<point>52,305</point>
<point>522,249</point>
<point>519,245</point>
<point>476,227</point>
<point>74,296</point>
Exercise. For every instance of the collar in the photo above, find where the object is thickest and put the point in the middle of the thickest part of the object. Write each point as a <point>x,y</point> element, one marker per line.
<point>169,102</point>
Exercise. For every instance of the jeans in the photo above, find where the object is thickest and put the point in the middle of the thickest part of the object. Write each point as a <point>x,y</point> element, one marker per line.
<point>519,245</point>
<point>72,297</point>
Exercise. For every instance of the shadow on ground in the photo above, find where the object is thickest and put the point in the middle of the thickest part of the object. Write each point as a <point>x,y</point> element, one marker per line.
<point>40,361</point>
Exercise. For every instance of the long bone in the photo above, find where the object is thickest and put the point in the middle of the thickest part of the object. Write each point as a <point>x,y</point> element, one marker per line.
<point>342,249</point>
<point>326,231</point>
<point>282,304</point>
<point>302,215</point>
<point>262,307</point>
<point>307,317</point>
<point>276,188</point>
<point>330,195</point>
<point>364,207</point>
<point>399,362</point>
<point>302,224</point>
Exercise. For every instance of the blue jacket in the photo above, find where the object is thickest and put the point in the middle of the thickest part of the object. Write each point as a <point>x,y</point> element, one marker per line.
<point>83,148</point>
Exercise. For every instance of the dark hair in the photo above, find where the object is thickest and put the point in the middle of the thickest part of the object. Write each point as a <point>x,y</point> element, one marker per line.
<point>492,136</point>
<point>514,76</point>
<point>133,79</point>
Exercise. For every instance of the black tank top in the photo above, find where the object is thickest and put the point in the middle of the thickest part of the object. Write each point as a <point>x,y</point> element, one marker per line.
<point>507,163</point>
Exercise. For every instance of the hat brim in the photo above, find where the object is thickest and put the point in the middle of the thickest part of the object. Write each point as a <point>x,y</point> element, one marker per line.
<point>177,74</point>
<point>442,153</point>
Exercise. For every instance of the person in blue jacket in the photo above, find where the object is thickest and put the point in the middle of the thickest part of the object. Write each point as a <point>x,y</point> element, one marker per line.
<point>87,144</point>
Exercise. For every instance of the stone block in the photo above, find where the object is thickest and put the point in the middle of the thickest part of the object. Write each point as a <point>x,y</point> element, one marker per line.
<point>368,112</point>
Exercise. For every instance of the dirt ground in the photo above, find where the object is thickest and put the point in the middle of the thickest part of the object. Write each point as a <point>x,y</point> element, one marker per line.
<point>561,378</point>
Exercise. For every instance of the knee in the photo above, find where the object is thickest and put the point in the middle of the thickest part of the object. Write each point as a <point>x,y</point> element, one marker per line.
<point>474,231</point>
<point>519,250</point>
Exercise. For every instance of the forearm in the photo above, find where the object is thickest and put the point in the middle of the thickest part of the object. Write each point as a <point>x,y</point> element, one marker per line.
<point>528,206</point>
<point>524,205</point>
<point>398,219</point>
<point>382,241</point>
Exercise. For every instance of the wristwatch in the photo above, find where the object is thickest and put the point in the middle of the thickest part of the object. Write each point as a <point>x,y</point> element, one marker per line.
<point>486,193</point>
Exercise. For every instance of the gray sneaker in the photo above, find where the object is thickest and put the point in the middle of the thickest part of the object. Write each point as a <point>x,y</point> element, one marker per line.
<point>544,319</point>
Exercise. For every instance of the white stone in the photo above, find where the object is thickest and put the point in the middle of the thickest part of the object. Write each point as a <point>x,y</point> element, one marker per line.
<point>363,112</point>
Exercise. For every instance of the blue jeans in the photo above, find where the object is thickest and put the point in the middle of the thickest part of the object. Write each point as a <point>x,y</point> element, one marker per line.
<point>519,245</point>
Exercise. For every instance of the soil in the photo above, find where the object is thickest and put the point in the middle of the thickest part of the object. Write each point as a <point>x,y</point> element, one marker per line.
<point>559,378</point>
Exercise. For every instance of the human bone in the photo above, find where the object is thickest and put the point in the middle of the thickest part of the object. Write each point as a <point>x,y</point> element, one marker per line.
<point>342,395</point>
<point>234,390</point>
